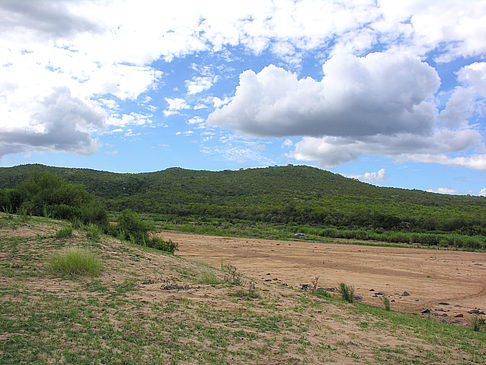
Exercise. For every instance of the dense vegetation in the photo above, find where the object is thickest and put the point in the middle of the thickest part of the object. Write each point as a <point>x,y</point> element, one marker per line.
<point>291,195</point>
<point>45,194</point>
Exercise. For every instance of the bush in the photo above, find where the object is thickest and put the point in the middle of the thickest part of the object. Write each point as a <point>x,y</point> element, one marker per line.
<point>347,292</point>
<point>132,227</point>
<point>166,246</point>
<point>75,261</point>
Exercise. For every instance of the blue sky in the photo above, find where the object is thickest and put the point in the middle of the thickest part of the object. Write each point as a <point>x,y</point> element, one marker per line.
<point>391,93</point>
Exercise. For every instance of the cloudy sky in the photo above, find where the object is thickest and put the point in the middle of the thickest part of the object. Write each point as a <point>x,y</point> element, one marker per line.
<point>388,92</point>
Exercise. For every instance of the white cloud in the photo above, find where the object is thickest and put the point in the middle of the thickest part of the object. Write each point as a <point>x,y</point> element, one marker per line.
<point>354,98</point>
<point>199,84</point>
<point>102,48</point>
<point>482,192</point>
<point>456,29</point>
<point>129,119</point>
<point>332,151</point>
<point>175,105</point>
<point>469,98</point>
<point>370,176</point>
<point>448,191</point>
<point>195,120</point>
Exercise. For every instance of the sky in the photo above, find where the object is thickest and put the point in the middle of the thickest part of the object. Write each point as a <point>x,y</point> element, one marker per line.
<point>392,93</point>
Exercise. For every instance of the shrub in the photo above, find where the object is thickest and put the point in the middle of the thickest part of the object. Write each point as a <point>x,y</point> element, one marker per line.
<point>65,232</point>
<point>159,244</point>
<point>75,261</point>
<point>132,227</point>
<point>347,292</point>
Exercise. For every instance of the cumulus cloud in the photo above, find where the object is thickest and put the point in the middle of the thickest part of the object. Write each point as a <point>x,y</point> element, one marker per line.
<point>332,151</point>
<point>354,98</point>
<point>370,176</point>
<point>482,192</point>
<point>60,122</point>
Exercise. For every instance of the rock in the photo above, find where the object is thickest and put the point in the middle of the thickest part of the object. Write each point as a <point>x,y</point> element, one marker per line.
<point>456,321</point>
<point>439,310</point>
<point>372,289</point>
<point>405,294</point>
<point>460,315</point>
<point>393,300</point>
<point>380,293</point>
<point>475,311</point>
<point>443,303</point>
<point>304,286</point>
<point>425,311</point>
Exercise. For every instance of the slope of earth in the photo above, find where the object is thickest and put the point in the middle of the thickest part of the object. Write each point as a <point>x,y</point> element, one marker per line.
<point>146,307</point>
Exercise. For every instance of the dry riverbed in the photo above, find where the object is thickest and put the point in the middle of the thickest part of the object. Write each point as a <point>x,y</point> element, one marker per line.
<point>448,283</point>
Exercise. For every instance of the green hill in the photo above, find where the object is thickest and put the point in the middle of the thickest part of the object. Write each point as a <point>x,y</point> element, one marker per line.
<point>278,195</point>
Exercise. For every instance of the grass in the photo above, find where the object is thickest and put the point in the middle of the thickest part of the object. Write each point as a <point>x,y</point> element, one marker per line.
<point>75,261</point>
<point>64,232</point>
<point>347,292</point>
<point>124,315</point>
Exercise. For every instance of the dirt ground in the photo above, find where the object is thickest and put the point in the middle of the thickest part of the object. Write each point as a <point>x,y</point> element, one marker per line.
<point>449,283</point>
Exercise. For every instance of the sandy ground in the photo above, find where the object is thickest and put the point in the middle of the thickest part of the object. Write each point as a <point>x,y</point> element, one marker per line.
<point>431,277</point>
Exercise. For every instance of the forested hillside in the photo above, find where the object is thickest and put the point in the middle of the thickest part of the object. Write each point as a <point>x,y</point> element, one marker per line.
<point>299,194</point>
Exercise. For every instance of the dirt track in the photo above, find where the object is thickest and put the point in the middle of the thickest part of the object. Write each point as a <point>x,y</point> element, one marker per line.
<point>429,276</point>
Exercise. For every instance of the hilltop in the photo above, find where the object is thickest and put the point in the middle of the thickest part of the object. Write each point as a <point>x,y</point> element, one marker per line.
<point>279,195</point>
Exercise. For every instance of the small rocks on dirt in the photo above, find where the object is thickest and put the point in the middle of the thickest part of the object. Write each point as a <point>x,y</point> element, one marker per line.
<point>443,303</point>
<point>425,311</point>
<point>460,315</point>
<point>405,294</point>
<point>476,311</point>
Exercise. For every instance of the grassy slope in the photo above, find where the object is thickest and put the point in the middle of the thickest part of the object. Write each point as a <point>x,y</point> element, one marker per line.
<point>151,308</point>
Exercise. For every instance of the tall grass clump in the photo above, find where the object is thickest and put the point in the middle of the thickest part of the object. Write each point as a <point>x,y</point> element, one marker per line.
<point>65,232</point>
<point>75,261</point>
<point>347,292</point>
<point>478,323</point>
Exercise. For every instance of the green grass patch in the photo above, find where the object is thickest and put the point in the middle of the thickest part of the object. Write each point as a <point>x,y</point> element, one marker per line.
<point>75,261</point>
<point>65,232</point>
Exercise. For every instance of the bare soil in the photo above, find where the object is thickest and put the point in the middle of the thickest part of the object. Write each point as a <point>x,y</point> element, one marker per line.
<point>429,276</point>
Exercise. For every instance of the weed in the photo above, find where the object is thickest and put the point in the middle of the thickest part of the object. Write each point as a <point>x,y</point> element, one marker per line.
<point>314,284</point>
<point>75,261</point>
<point>478,323</point>
<point>386,303</point>
<point>232,276</point>
<point>347,292</point>
<point>65,232</point>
